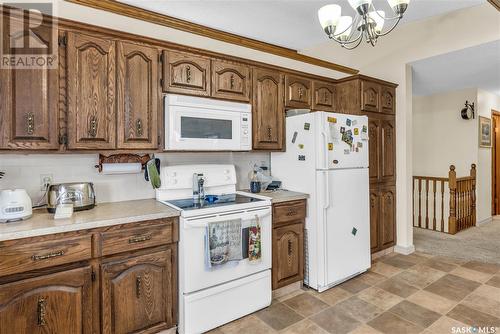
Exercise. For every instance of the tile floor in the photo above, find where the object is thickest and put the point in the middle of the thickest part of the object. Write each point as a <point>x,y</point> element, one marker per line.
<point>417,293</point>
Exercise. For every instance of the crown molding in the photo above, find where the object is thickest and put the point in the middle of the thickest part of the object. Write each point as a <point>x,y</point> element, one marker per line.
<point>175,23</point>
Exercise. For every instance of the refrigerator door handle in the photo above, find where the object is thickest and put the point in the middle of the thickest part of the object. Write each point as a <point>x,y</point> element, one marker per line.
<point>327,193</point>
<point>323,150</point>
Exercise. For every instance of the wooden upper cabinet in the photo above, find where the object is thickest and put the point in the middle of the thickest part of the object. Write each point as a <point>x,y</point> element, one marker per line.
<point>323,96</point>
<point>186,73</point>
<point>374,133</point>
<point>139,293</point>
<point>138,101</point>
<point>388,150</point>
<point>29,104</point>
<point>387,216</point>
<point>231,81</point>
<point>347,99</point>
<point>370,96</point>
<point>91,92</point>
<point>388,99</point>
<point>298,92</point>
<point>268,111</point>
<point>56,303</point>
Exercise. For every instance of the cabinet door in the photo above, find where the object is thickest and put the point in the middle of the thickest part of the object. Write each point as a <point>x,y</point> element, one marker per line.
<point>323,96</point>
<point>288,255</point>
<point>387,216</point>
<point>186,73</point>
<point>347,99</point>
<point>374,219</point>
<point>91,92</point>
<point>57,303</point>
<point>137,88</point>
<point>268,112</point>
<point>139,293</point>
<point>29,106</point>
<point>298,92</point>
<point>388,151</point>
<point>374,133</point>
<point>231,81</point>
<point>388,99</point>
<point>370,96</point>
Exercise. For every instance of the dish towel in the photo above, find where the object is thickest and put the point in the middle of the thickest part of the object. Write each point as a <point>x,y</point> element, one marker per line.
<point>254,241</point>
<point>223,241</point>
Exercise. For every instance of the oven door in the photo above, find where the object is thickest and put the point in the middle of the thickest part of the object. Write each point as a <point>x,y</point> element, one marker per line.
<point>197,129</point>
<point>194,274</point>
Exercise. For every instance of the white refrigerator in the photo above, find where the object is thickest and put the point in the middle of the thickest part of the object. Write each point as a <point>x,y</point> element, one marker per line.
<point>327,157</point>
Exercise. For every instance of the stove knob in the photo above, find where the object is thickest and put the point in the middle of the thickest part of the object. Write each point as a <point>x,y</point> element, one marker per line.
<point>228,178</point>
<point>226,171</point>
<point>174,181</point>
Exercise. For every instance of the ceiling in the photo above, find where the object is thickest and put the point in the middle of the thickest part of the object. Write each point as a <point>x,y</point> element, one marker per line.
<point>475,67</point>
<point>289,23</point>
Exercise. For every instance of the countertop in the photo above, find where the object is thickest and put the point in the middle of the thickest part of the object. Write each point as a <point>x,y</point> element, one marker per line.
<point>282,195</point>
<point>105,214</point>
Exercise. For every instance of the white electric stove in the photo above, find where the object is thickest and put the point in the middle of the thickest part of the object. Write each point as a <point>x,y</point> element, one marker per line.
<point>211,297</point>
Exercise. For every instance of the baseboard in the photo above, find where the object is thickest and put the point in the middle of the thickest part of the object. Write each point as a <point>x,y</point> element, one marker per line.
<point>485,221</point>
<point>405,250</point>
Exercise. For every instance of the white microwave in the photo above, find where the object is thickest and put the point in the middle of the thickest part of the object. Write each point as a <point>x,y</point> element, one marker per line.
<point>203,124</point>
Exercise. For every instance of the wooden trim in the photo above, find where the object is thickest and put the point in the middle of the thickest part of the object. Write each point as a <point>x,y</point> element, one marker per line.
<point>171,22</point>
<point>367,78</point>
<point>495,3</point>
<point>495,177</point>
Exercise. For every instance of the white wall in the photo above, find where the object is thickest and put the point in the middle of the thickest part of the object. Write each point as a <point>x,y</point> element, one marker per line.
<point>23,171</point>
<point>390,60</point>
<point>486,101</point>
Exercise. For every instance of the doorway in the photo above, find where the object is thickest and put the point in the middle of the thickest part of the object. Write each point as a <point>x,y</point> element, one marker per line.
<point>495,162</point>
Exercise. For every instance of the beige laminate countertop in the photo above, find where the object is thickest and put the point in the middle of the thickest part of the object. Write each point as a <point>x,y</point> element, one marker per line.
<point>282,195</point>
<point>105,214</point>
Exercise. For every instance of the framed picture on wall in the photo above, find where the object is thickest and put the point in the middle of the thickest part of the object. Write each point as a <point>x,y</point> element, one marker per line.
<point>484,132</point>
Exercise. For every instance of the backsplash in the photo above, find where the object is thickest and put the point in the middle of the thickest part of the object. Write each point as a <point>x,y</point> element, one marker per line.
<point>24,171</point>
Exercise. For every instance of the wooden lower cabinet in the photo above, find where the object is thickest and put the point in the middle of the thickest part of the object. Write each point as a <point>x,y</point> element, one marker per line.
<point>54,303</point>
<point>288,243</point>
<point>138,293</point>
<point>382,217</point>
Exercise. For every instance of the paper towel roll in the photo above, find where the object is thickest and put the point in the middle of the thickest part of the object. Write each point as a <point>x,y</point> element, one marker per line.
<point>121,168</point>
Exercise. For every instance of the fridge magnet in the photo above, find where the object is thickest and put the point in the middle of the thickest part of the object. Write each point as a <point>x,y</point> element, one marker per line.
<point>330,146</point>
<point>302,158</point>
<point>356,131</point>
<point>354,122</point>
<point>332,120</point>
<point>301,146</point>
<point>307,126</point>
<point>364,129</point>
<point>347,151</point>
<point>342,129</point>
<point>348,122</point>
<point>354,231</point>
<point>360,144</point>
<point>335,162</point>
<point>484,132</point>
<point>357,149</point>
<point>294,137</point>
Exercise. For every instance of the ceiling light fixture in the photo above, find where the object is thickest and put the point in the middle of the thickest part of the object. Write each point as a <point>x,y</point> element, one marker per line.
<point>368,22</point>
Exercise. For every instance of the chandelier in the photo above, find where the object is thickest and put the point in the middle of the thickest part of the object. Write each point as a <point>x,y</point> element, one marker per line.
<point>368,22</point>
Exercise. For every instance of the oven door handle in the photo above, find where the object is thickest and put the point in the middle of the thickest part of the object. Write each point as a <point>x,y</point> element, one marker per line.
<point>203,222</point>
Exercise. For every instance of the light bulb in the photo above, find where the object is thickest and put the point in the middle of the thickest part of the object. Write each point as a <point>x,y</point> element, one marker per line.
<point>329,16</point>
<point>379,19</point>
<point>344,27</point>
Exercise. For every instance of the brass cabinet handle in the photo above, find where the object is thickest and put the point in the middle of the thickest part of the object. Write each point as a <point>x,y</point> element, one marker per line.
<point>269,132</point>
<point>188,74</point>
<point>139,238</point>
<point>231,81</point>
<point>300,93</point>
<point>291,212</point>
<point>289,247</point>
<point>138,128</point>
<point>47,256</point>
<point>30,123</point>
<point>138,286</point>
<point>93,127</point>
<point>41,311</point>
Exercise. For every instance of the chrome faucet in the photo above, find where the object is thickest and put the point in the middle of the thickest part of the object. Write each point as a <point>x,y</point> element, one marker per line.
<point>198,187</point>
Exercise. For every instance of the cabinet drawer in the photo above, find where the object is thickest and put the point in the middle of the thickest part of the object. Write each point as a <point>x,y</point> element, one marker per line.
<point>37,255</point>
<point>137,238</point>
<point>289,211</point>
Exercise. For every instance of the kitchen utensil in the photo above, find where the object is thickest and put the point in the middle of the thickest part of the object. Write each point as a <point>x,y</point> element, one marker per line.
<point>14,205</point>
<point>80,194</point>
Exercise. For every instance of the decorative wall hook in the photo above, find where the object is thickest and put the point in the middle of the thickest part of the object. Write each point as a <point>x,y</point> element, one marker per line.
<point>468,111</point>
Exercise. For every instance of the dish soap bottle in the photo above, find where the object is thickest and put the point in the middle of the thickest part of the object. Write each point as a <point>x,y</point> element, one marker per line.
<point>254,183</point>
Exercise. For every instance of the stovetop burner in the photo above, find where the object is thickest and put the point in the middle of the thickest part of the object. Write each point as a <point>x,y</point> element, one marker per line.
<point>212,201</point>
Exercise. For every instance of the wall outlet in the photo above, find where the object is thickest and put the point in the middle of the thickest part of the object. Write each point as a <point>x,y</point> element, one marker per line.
<point>45,181</point>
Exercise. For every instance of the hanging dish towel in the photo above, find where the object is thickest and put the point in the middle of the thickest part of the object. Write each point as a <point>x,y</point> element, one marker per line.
<point>223,242</point>
<point>254,241</point>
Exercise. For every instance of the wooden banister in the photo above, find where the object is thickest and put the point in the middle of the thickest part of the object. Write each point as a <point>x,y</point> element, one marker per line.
<point>452,184</point>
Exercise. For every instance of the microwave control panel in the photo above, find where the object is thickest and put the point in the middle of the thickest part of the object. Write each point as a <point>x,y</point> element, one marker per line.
<point>246,131</point>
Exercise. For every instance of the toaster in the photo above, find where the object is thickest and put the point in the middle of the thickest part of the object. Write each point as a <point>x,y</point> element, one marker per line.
<point>80,194</point>
<point>14,205</point>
